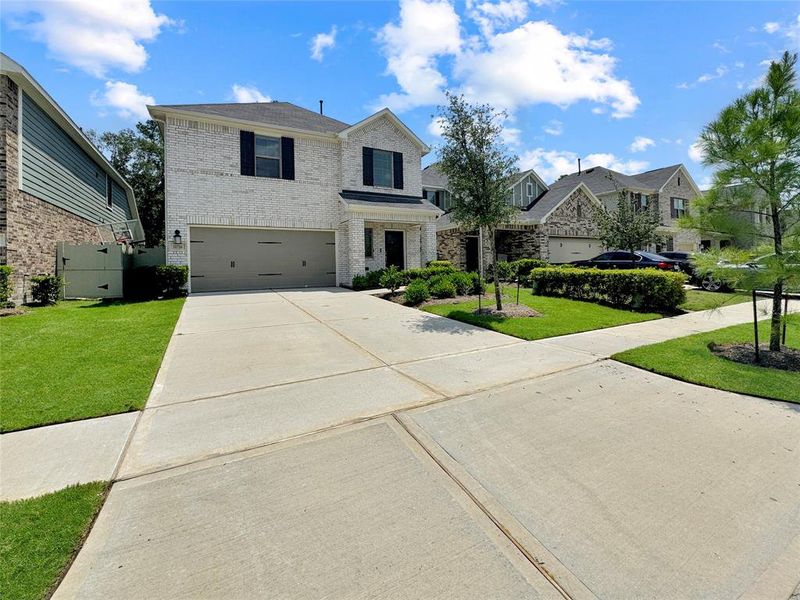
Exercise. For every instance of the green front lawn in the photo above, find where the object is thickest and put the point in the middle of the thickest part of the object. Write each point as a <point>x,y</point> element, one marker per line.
<point>689,359</point>
<point>39,537</point>
<point>81,359</point>
<point>560,316</point>
<point>703,300</point>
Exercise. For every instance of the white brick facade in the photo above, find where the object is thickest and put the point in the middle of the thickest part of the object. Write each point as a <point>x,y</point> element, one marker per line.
<point>204,187</point>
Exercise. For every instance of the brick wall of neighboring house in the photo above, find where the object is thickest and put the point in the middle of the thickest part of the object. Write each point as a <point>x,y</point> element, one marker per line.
<point>451,244</point>
<point>8,127</point>
<point>564,220</point>
<point>524,243</point>
<point>678,187</point>
<point>32,226</point>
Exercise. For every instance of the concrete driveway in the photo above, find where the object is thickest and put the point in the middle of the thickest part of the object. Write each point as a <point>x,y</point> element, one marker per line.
<point>325,443</point>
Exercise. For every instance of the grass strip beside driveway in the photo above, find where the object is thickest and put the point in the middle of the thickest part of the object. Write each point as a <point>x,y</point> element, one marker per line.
<point>560,316</point>
<point>703,300</point>
<point>39,537</point>
<point>81,359</point>
<point>689,359</point>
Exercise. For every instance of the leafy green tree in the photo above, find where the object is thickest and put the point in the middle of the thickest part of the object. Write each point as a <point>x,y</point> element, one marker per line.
<point>138,155</point>
<point>627,227</point>
<point>754,145</point>
<point>477,165</point>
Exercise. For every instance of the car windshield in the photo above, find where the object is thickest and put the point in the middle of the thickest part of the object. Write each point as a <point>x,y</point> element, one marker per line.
<point>678,255</point>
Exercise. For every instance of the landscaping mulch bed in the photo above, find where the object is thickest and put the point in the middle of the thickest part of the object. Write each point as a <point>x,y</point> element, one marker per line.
<point>10,312</point>
<point>509,308</point>
<point>786,360</point>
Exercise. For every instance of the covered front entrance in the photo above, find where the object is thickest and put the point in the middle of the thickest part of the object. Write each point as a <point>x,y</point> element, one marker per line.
<point>224,259</point>
<point>394,242</point>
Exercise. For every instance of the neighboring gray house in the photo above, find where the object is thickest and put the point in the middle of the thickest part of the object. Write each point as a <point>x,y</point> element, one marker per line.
<point>55,186</point>
<point>271,195</point>
<point>558,226</point>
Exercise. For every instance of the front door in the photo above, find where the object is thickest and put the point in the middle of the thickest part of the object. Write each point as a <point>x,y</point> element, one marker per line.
<point>472,254</point>
<point>395,252</point>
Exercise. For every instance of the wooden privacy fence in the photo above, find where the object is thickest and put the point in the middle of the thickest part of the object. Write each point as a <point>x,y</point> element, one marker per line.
<point>97,270</point>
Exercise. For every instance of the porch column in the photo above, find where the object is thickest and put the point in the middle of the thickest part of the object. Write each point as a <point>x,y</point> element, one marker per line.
<point>355,246</point>
<point>427,242</point>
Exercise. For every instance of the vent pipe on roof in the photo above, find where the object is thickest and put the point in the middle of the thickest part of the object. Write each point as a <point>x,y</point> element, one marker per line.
<point>320,107</point>
<point>579,166</point>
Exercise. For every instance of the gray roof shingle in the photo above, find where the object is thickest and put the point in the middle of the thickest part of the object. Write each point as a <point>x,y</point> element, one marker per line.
<point>279,114</point>
<point>548,201</point>
<point>656,178</point>
<point>354,197</point>
<point>433,177</point>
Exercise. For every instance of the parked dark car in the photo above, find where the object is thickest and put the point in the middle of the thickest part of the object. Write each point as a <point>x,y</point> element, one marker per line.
<point>684,260</point>
<point>619,259</point>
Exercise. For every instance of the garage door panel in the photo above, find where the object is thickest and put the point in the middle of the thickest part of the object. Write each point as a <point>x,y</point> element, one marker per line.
<point>567,249</point>
<point>246,259</point>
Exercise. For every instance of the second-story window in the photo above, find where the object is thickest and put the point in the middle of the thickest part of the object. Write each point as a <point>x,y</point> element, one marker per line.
<point>530,189</point>
<point>268,156</point>
<point>678,208</point>
<point>382,168</point>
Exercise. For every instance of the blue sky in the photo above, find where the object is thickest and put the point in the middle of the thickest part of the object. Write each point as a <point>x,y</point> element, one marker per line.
<point>627,85</point>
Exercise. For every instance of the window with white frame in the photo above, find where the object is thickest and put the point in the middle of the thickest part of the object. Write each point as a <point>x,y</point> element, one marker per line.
<point>268,157</point>
<point>530,189</point>
<point>678,208</point>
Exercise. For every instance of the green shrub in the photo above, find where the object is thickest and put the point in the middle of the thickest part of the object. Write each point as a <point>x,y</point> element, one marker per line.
<point>440,263</point>
<point>171,279</point>
<point>477,285</point>
<point>641,289</point>
<point>374,278</point>
<point>441,286</point>
<point>462,281</point>
<point>5,285</point>
<point>360,282</point>
<point>524,266</point>
<point>417,292</point>
<point>392,278</point>
<point>46,289</point>
<point>506,271</point>
<point>151,282</point>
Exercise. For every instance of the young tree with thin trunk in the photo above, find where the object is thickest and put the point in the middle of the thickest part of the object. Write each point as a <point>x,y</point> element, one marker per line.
<point>754,145</point>
<point>478,166</point>
<point>627,228</point>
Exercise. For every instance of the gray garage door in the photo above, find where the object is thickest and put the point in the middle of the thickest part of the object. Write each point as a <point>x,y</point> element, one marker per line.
<point>252,259</point>
<point>567,249</point>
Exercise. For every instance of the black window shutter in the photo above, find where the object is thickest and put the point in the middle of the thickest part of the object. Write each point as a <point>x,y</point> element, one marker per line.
<point>366,166</point>
<point>397,159</point>
<point>672,211</point>
<point>287,158</point>
<point>247,153</point>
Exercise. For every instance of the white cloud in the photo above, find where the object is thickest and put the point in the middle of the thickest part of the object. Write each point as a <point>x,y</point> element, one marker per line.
<point>511,136</point>
<point>551,164</point>
<point>93,36</point>
<point>248,93</point>
<point>696,152</point>
<point>490,15</point>
<point>719,46</point>
<point>124,98</point>
<point>641,143</point>
<point>435,126</point>
<point>554,127</point>
<point>537,63</point>
<point>718,73</point>
<point>771,27</point>
<point>532,63</point>
<point>426,31</point>
<point>322,42</point>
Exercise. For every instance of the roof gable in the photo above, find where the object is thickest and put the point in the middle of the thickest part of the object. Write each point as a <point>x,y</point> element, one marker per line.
<point>385,113</point>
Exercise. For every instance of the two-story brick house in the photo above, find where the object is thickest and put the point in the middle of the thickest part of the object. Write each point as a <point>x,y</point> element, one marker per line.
<point>55,186</point>
<point>271,195</point>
